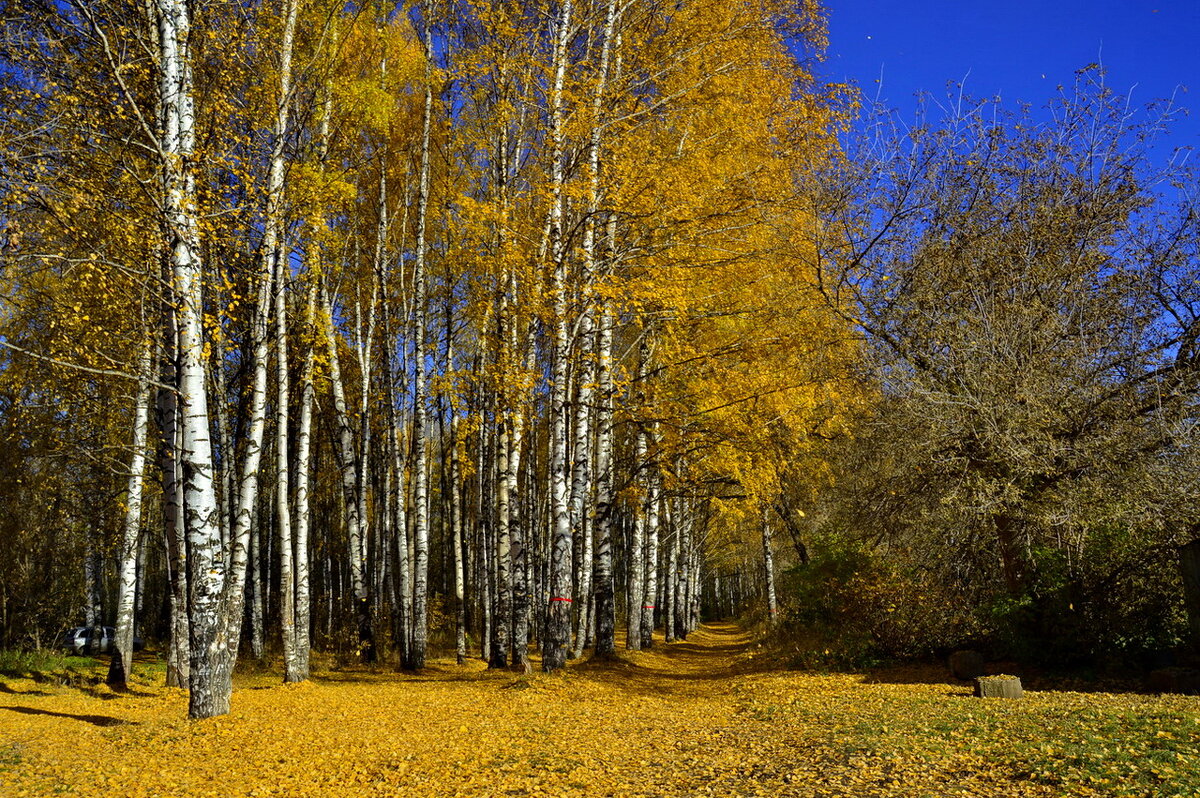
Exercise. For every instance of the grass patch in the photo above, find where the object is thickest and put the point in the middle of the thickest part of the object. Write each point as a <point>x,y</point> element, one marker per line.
<point>51,667</point>
<point>1120,745</point>
<point>23,663</point>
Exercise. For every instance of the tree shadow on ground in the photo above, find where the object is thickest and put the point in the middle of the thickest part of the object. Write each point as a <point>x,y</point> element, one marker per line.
<point>95,720</point>
<point>4,688</point>
<point>711,654</point>
<point>706,661</point>
<point>1032,679</point>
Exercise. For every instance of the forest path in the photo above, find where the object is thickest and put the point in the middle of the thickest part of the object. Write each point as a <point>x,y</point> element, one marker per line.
<point>705,716</point>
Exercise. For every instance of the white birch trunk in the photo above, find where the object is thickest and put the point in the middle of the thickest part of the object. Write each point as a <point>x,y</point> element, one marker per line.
<point>558,631</point>
<point>399,523</point>
<point>303,612</point>
<point>652,517</point>
<point>397,538</point>
<point>769,567</point>
<point>120,665</point>
<point>694,590</point>
<point>598,553</point>
<point>283,509</point>
<point>519,539</point>
<point>636,570</point>
<point>456,511</point>
<point>485,573</point>
<point>683,519</point>
<point>605,599</point>
<point>257,597</point>
<point>671,584</point>
<point>225,460</point>
<point>203,530</point>
<point>174,535</point>
<point>584,592</point>
<point>502,618</point>
<point>344,448</point>
<point>420,468</point>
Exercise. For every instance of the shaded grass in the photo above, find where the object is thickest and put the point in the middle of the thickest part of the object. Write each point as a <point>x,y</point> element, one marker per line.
<point>1065,743</point>
<point>22,663</point>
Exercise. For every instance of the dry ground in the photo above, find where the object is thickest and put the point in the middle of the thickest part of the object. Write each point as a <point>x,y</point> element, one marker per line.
<point>700,717</point>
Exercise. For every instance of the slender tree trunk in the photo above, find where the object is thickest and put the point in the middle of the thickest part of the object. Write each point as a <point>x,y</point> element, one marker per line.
<point>671,584</point>
<point>225,447</point>
<point>203,531</point>
<point>519,528</point>
<point>344,447</point>
<point>257,594</point>
<point>558,631</point>
<point>420,468</point>
<point>768,566</point>
<point>636,571</point>
<point>581,481</point>
<point>302,614</point>
<point>683,519</point>
<point>93,615</point>
<point>233,590</point>
<point>283,510</point>
<point>486,571</point>
<point>518,537</point>
<point>584,579</point>
<point>483,538</point>
<point>456,526</point>
<point>398,493</point>
<point>178,658</point>
<point>589,346</point>
<point>652,517</point>
<point>503,617</point>
<point>605,599</point>
<point>120,664</point>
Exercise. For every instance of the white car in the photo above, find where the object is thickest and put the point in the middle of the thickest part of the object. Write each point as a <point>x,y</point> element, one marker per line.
<point>79,640</point>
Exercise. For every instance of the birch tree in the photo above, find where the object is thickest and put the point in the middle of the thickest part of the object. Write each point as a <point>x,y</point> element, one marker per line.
<point>121,662</point>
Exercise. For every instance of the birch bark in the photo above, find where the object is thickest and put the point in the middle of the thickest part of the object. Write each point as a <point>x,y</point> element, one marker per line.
<point>175,536</point>
<point>420,629</point>
<point>769,567</point>
<point>200,519</point>
<point>651,594</point>
<point>558,626</point>
<point>348,467</point>
<point>120,664</point>
<point>303,611</point>
<point>283,509</point>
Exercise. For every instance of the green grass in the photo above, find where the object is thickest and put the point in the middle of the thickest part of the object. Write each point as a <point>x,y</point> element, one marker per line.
<point>22,663</point>
<point>43,665</point>
<point>1121,745</point>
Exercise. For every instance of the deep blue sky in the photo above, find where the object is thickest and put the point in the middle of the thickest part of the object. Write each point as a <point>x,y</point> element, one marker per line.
<point>1020,50</point>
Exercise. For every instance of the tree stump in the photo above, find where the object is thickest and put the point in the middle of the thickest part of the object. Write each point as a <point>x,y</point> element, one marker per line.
<point>998,687</point>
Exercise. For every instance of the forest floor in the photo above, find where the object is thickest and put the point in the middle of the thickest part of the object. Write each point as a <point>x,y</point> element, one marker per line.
<point>708,716</point>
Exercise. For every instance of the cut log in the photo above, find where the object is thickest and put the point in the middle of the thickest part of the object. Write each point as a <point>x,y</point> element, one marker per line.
<point>998,687</point>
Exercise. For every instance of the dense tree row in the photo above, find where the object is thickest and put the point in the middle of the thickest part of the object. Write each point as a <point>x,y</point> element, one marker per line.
<point>352,325</point>
<point>498,327</point>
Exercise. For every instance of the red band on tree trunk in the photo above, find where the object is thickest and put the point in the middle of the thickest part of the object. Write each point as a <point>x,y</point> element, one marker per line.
<point>561,599</point>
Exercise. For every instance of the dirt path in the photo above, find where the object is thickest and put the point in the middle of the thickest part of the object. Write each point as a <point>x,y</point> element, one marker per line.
<point>692,718</point>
